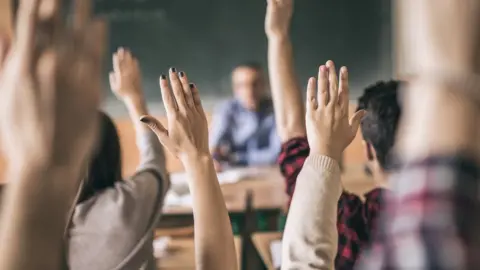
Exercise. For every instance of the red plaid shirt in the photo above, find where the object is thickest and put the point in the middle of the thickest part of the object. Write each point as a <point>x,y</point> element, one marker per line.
<point>432,218</point>
<point>356,219</point>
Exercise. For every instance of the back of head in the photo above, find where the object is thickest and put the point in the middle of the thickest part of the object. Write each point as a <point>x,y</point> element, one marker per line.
<point>379,126</point>
<point>106,165</point>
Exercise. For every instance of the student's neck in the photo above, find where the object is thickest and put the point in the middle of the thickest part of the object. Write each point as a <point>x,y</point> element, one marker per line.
<point>380,178</point>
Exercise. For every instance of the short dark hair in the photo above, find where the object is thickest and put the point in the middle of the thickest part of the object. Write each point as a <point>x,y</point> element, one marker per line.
<point>379,126</point>
<point>105,167</point>
<point>250,64</point>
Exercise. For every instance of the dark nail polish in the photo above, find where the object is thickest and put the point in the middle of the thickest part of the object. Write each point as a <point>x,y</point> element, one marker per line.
<point>163,77</point>
<point>192,86</point>
<point>181,74</point>
<point>173,69</point>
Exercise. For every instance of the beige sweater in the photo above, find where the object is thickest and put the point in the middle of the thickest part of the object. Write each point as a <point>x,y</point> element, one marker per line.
<point>310,239</point>
<point>114,228</point>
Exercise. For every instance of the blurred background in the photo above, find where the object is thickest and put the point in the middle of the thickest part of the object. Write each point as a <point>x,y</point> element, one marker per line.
<point>208,38</point>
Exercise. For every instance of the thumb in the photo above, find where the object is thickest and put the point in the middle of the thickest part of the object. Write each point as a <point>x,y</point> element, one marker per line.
<point>355,120</point>
<point>159,130</point>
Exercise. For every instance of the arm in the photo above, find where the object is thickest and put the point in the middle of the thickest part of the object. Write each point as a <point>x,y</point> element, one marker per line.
<point>36,204</point>
<point>437,145</point>
<point>125,81</point>
<point>187,138</point>
<point>213,231</point>
<point>6,19</point>
<point>310,237</point>
<point>286,94</point>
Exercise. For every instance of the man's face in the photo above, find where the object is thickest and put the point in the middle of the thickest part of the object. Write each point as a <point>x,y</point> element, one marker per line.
<point>248,86</point>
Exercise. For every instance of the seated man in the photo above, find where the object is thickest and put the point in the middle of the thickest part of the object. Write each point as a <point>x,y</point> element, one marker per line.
<point>356,219</point>
<point>243,130</point>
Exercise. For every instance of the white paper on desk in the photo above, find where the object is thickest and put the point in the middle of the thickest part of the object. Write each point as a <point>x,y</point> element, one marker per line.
<point>160,246</point>
<point>276,251</point>
<point>229,176</point>
<point>179,193</point>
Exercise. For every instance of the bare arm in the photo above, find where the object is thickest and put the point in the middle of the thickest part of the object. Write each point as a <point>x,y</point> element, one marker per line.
<point>286,94</point>
<point>46,151</point>
<point>36,204</point>
<point>187,138</point>
<point>6,22</point>
<point>213,231</point>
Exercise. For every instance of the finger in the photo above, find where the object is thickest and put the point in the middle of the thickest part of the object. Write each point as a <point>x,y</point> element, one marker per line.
<point>187,90</point>
<point>116,62</point>
<point>167,97</point>
<point>333,83</point>
<point>355,120</point>
<point>196,96</point>
<point>343,90</point>
<point>113,80</point>
<point>160,131</point>
<point>81,14</point>
<point>322,85</point>
<point>311,96</point>
<point>95,39</point>
<point>46,71</point>
<point>26,26</point>
<point>4,48</point>
<point>178,91</point>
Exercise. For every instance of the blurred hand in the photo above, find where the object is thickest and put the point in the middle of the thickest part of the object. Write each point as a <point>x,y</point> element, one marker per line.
<point>441,35</point>
<point>187,134</point>
<point>278,17</point>
<point>329,131</point>
<point>125,79</point>
<point>51,93</point>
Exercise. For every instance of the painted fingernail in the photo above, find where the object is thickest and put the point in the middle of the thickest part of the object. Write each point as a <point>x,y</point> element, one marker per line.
<point>192,86</point>
<point>163,77</point>
<point>173,69</point>
<point>181,74</point>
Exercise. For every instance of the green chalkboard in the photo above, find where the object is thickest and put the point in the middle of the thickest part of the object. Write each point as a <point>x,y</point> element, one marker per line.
<point>207,38</point>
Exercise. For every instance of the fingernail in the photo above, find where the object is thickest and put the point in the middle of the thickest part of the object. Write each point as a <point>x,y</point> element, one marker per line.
<point>163,77</point>
<point>173,69</point>
<point>192,86</point>
<point>144,119</point>
<point>181,74</point>
<point>322,68</point>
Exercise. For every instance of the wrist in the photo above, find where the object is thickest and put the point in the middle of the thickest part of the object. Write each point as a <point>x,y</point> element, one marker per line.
<point>278,37</point>
<point>323,151</point>
<point>196,159</point>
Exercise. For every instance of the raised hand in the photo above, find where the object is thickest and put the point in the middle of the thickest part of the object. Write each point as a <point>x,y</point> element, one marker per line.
<point>51,91</point>
<point>187,134</point>
<point>125,79</point>
<point>329,130</point>
<point>278,17</point>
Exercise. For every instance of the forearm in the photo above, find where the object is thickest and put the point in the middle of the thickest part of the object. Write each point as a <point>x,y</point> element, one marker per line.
<point>286,94</point>
<point>446,125</point>
<point>214,246</point>
<point>6,11</point>
<point>34,216</point>
<point>311,237</point>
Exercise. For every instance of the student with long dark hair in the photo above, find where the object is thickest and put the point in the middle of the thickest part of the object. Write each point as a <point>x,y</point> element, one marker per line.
<point>112,224</point>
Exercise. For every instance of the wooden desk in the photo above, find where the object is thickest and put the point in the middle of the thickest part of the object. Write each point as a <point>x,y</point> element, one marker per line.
<point>262,243</point>
<point>181,254</point>
<point>268,194</point>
